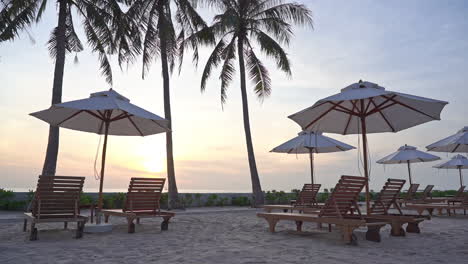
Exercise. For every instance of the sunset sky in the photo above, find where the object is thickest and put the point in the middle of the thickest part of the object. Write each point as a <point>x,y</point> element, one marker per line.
<point>416,47</point>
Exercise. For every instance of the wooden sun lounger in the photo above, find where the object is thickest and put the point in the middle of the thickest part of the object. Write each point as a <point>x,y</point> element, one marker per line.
<point>337,211</point>
<point>426,194</point>
<point>457,198</point>
<point>142,202</point>
<point>306,199</point>
<point>430,207</point>
<point>56,199</point>
<point>388,197</point>
<point>308,195</point>
<point>410,194</point>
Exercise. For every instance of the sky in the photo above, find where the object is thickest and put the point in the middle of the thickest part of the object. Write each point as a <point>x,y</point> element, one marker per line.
<point>417,47</point>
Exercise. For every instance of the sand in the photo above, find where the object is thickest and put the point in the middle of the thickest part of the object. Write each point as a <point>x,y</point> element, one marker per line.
<point>232,237</point>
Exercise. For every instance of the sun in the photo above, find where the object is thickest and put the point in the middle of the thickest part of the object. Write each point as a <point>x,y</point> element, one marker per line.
<point>154,165</point>
<point>151,158</point>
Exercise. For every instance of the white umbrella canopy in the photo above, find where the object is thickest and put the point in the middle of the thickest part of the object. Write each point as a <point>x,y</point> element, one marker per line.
<point>453,143</point>
<point>408,154</point>
<point>91,114</point>
<point>366,107</point>
<point>308,142</point>
<point>107,113</point>
<point>458,162</point>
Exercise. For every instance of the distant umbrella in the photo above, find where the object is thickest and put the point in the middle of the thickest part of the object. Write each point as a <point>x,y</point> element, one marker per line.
<point>454,143</point>
<point>366,107</point>
<point>408,154</point>
<point>458,162</point>
<point>309,143</point>
<point>105,113</point>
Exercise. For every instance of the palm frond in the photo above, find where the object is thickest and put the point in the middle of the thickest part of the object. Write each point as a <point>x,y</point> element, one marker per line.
<point>271,48</point>
<point>228,70</point>
<point>258,75</point>
<point>98,46</point>
<point>288,12</point>
<point>16,16</point>
<point>213,61</point>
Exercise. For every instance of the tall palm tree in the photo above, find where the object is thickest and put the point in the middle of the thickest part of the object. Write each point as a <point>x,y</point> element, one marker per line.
<point>242,25</point>
<point>105,28</point>
<point>160,40</point>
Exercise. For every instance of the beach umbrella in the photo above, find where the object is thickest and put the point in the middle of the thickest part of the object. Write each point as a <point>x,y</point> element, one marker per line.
<point>105,113</point>
<point>407,154</point>
<point>458,162</point>
<point>309,143</point>
<point>454,143</point>
<point>365,107</point>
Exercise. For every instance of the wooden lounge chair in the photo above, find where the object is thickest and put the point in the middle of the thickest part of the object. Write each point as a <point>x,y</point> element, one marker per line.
<point>457,198</point>
<point>381,206</point>
<point>410,194</point>
<point>430,207</point>
<point>306,199</point>
<point>56,199</point>
<point>142,202</point>
<point>337,211</point>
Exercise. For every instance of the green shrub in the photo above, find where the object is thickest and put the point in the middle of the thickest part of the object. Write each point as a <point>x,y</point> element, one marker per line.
<point>198,199</point>
<point>114,201</point>
<point>222,201</point>
<point>86,199</point>
<point>211,200</point>
<point>187,200</point>
<point>240,201</point>
<point>275,197</point>
<point>164,200</point>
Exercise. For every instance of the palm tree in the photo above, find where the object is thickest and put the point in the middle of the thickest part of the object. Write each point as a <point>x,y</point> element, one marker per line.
<point>105,28</point>
<point>242,25</point>
<point>160,40</point>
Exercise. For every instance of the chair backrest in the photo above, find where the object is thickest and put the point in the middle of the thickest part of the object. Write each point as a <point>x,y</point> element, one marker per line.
<point>387,197</point>
<point>410,194</point>
<point>57,197</point>
<point>344,197</point>
<point>427,192</point>
<point>144,195</point>
<point>308,194</point>
<point>459,193</point>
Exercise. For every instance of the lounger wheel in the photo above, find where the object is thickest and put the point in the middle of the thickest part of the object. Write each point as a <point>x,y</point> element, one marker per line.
<point>165,225</point>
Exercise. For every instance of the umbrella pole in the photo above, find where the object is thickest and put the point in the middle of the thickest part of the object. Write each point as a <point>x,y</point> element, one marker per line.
<point>409,173</point>
<point>461,177</point>
<point>103,165</point>
<point>311,165</point>
<point>364,146</point>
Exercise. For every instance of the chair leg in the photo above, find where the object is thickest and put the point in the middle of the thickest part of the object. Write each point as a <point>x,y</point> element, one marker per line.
<point>65,225</point>
<point>92,213</point>
<point>138,221</point>
<point>25,224</point>
<point>165,223</point>
<point>397,229</point>
<point>299,226</point>
<point>131,226</point>
<point>79,229</point>
<point>106,218</point>
<point>33,234</point>
<point>272,224</point>
<point>413,228</point>
<point>373,233</point>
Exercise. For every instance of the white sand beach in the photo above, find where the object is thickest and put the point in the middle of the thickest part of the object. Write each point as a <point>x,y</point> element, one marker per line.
<point>235,236</point>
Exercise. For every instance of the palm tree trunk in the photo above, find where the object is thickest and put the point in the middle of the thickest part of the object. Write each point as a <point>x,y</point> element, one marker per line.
<point>50,162</point>
<point>256,188</point>
<point>173,196</point>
